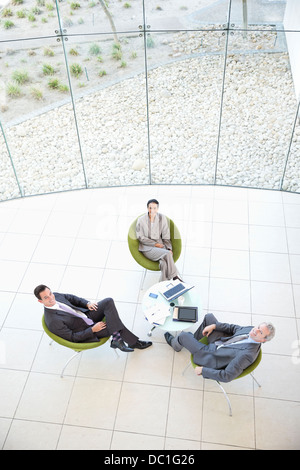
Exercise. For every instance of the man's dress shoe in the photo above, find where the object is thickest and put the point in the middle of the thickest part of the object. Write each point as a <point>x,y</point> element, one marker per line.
<point>119,344</point>
<point>169,338</point>
<point>141,344</point>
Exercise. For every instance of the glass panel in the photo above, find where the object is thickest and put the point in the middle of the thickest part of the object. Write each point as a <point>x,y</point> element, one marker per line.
<point>184,106</point>
<point>186,15</point>
<point>38,118</point>
<point>8,184</point>
<point>109,87</point>
<point>28,19</point>
<point>291,180</point>
<point>105,16</point>
<point>258,111</point>
<point>257,14</point>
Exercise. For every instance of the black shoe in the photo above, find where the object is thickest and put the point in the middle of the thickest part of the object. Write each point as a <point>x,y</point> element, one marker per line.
<point>119,344</point>
<point>177,278</point>
<point>169,338</point>
<point>141,344</point>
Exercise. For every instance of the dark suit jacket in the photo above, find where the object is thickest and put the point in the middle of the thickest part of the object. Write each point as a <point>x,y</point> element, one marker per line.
<point>227,363</point>
<point>68,326</point>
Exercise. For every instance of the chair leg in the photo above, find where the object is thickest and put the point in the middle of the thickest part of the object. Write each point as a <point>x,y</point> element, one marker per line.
<point>255,380</point>
<point>226,396</point>
<point>68,361</point>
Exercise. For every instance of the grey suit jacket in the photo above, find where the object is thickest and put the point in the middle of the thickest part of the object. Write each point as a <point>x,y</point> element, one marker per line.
<point>66,325</point>
<point>227,363</point>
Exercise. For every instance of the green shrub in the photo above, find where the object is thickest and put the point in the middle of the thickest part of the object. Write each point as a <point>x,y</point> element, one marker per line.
<point>13,90</point>
<point>8,24</point>
<point>48,52</point>
<point>21,13</point>
<point>48,69</point>
<point>54,83</point>
<point>6,13</point>
<point>20,77</point>
<point>75,6</point>
<point>94,49</point>
<point>76,70</point>
<point>36,93</point>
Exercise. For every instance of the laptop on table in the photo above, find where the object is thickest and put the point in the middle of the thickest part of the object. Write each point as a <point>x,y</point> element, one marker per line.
<point>174,289</point>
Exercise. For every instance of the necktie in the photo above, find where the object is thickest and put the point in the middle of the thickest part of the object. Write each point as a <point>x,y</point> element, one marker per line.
<point>68,309</point>
<point>234,339</point>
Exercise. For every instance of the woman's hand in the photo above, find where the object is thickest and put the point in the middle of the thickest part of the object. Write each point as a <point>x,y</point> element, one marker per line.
<point>159,245</point>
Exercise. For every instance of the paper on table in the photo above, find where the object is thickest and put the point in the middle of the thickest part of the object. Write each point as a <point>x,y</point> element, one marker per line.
<point>157,314</point>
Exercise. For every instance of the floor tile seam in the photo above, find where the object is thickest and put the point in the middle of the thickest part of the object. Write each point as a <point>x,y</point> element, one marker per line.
<point>253,396</point>
<point>16,407</point>
<point>290,271</point>
<point>39,238</point>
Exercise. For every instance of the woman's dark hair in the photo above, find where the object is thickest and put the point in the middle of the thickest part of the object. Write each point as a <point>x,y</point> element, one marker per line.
<point>37,291</point>
<point>152,200</point>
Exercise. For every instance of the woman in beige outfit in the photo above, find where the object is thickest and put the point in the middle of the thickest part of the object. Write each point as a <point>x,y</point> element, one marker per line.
<point>153,233</point>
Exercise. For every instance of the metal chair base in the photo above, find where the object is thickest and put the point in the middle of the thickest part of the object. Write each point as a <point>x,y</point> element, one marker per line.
<point>222,389</point>
<point>72,357</point>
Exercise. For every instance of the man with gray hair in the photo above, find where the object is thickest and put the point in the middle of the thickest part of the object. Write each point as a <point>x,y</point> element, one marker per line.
<point>230,349</point>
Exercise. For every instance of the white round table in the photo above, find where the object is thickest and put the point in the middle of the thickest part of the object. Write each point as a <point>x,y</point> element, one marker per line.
<point>192,298</point>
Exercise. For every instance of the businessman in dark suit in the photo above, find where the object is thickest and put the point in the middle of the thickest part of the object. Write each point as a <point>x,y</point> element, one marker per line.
<point>230,349</point>
<point>80,321</point>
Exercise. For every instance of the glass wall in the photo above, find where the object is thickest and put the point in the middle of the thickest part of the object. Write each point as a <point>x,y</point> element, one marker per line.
<point>100,93</point>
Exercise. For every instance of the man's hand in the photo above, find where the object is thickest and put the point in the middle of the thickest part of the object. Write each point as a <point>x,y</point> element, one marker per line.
<point>209,329</point>
<point>98,326</point>
<point>198,370</point>
<point>92,306</point>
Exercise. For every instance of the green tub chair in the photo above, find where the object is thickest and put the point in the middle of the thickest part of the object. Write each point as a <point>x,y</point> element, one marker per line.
<point>245,372</point>
<point>147,264</point>
<point>77,347</point>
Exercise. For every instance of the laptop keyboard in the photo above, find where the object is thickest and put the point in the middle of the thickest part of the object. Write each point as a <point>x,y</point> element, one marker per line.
<point>174,290</point>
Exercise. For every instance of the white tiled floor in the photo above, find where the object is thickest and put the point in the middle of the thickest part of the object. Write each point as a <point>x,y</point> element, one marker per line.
<point>242,250</point>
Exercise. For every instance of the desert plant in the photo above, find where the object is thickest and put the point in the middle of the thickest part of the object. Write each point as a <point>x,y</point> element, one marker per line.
<point>8,24</point>
<point>36,11</point>
<point>73,52</point>
<point>127,5</point>
<point>117,51</point>
<point>6,13</point>
<point>48,52</point>
<point>54,83</point>
<point>17,2</point>
<point>48,69</point>
<point>21,13</point>
<point>94,49</point>
<point>31,17</point>
<point>75,6</point>
<point>63,88</point>
<point>49,6</point>
<point>36,93</point>
<point>102,73</point>
<point>13,90</point>
<point>20,77</point>
<point>76,70</point>
<point>150,42</point>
